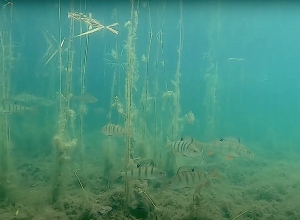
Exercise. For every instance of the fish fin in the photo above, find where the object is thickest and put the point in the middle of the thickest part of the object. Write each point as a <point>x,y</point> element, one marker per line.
<point>229,157</point>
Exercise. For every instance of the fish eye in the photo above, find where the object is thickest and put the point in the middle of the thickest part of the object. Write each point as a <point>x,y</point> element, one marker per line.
<point>195,151</point>
<point>248,152</point>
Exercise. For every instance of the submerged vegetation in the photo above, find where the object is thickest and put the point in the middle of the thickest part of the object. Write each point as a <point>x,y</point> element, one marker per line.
<point>120,121</point>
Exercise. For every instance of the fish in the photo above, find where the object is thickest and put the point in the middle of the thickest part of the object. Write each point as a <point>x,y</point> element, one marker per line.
<point>113,130</point>
<point>144,163</point>
<point>144,173</point>
<point>186,179</point>
<point>9,106</point>
<point>85,98</point>
<point>191,177</point>
<point>185,148</point>
<point>229,147</point>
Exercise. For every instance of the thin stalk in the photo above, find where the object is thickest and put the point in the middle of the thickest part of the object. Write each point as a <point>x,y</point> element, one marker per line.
<point>175,119</point>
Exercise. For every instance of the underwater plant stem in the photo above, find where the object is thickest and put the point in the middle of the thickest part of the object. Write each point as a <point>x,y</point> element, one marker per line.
<point>132,29</point>
<point>6,64</point>
<point>85,195</point>
<point>62,142</point>
<point>82,104</point>
<point>175,118</point>
<point>240,214</point>
<point>148,197</point>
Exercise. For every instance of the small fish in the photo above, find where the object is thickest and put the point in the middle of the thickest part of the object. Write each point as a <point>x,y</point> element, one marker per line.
<point>144,163</point>
<point>229,147</point>
<point>85,98</point>
<point>144,173</point>
<point>112,130</point>
<point>185,148</point>
<point>186,179</point>
<point>9,107</point>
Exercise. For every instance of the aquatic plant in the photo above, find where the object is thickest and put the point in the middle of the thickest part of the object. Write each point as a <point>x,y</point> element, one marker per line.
<point>129,85</point>
<point>63,142</point>
<point>6,62</point>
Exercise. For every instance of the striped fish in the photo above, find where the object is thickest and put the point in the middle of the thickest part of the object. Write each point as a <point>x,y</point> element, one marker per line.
<point>8,107</point>
<point>185,148</point>
<point>229,147</point>
<point>144,173</point>
<point>186,179</point>
<point>112,130</point>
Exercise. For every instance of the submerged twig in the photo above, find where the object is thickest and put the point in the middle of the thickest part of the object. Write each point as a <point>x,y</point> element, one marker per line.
<point>75,173</point>
<point>92,23</point>
<point>140,190</point>
<point>240,214</point>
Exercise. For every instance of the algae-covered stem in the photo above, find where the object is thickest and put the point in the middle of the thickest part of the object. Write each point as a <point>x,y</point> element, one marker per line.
<point>6,67</point>
<point>145,93</point>
<point>61,141</point>
<point>82,107</point>
<point>175,118</point>
<point>57,155</point>
<point>131,69</point>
